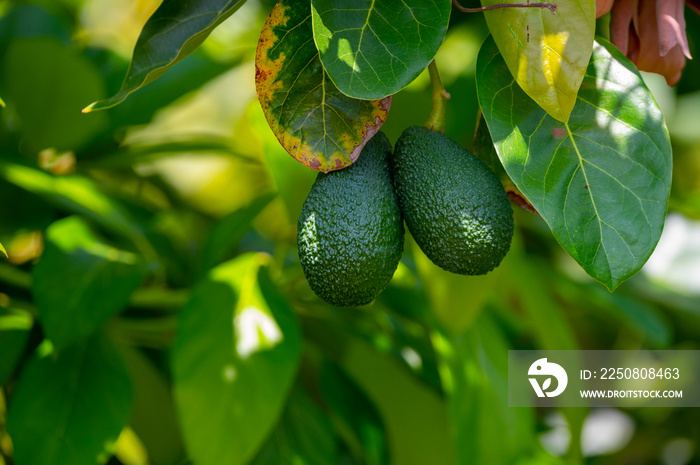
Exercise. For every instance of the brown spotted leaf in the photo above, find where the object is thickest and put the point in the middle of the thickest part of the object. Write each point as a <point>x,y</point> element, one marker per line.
<point>317,124</point>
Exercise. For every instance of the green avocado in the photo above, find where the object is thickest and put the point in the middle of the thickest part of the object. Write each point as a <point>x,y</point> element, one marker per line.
<point>454,206</point>
<point>350,232</point>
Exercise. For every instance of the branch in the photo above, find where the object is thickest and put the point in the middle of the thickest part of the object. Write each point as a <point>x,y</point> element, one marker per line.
<point>550,6</point>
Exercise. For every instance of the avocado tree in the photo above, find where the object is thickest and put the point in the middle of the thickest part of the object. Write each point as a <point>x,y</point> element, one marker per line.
<point>204,252</point>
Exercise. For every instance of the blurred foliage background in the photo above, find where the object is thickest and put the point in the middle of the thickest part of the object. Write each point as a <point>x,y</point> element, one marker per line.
<point>185,175</point>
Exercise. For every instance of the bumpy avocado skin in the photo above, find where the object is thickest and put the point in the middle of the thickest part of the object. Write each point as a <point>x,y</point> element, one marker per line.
<point>350,232</point>
<point>454,206</point>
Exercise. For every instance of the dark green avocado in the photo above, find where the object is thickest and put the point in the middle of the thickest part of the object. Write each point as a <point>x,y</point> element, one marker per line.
<point>454,206</point>
<point>350,232</point>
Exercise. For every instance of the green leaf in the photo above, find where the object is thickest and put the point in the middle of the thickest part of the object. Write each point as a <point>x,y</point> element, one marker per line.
<point>68,408</point>
<point>484,149</point>
<point>80,282</point>
<point>234,360</point>
<point>601,181</point>
<point>372,49</point>
<point>304,436</point>
<point>153,417</point>
<point>14,333</point>
<point>47,84</point>
<point>174,31</point>
<point>415,416</point>
<point>549,66</point>
<point>626,310</point>
<point>358,416</point>
<point>455,300</point>
<point>4,252</point>
<point>318,125</point>
<point>2,104</point>
<point>542,312</point>
<point>228,232</point>
<point>75,194</point>
<point>474,369</point>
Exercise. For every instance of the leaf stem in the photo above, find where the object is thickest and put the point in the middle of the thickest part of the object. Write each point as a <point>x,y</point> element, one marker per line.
<point>550,6</point>
<point>436,120</point>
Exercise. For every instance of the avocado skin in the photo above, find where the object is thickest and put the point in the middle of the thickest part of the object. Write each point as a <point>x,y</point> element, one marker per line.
<point>350,232</point>
<point>454,206</point>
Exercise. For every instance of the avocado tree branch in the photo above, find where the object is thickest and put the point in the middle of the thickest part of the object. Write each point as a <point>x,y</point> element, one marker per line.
<point>436,120</point>
<point>550,6</point>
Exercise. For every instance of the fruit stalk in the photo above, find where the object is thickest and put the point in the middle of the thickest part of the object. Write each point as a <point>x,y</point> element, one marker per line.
<point>436,120</point>
<point>550,6</point>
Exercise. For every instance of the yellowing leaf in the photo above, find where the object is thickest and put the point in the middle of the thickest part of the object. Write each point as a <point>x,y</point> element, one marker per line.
<point>317,124</point>
<point>546,53</point>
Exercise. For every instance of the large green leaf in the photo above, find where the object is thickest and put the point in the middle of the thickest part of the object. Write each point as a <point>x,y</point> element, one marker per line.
<point>546,53</point>
<point>602,180</point>
<point>14,333</point>
<point>80,282</point>
<point>317,124</point>
<point>371,49</point>
<point>69,407</point>
<point>235,357</point>
<point>174,31</point>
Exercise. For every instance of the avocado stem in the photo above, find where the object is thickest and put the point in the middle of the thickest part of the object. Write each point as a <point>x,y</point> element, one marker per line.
<point>436,120</point>
<point>550,6</point>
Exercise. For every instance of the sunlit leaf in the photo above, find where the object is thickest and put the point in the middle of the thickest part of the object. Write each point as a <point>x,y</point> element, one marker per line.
<point>484,149</point>
<point>14,333</point>
<point>372,49</point>
<point>2,249</point>
<point>546,53</point>
<point>602,180</point>
<point>80,282</point>
<point>2,104</point>
<point>236,354</point>
<point>317,124</point>
<point>174,31</point>
<point>73,403</point>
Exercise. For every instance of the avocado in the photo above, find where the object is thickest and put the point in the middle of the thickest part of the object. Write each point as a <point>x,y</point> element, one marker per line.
<point>350,232</point>
<point>454,206</point>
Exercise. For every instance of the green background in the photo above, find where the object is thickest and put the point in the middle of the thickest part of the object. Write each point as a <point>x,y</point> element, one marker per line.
<point>186,175</point>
